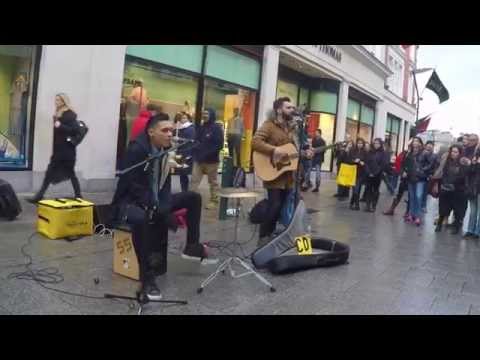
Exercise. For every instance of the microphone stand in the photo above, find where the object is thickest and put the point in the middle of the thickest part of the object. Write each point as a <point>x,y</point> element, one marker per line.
<point>140,298</point>
<point>300,119</point>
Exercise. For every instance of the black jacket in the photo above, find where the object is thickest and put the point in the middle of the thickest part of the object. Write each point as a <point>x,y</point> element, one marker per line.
<point>134,187</point>
<point>358,154</point>
<point>377,162</point>
<point>417,167</point>
<point>209,143</point>
<point>431,162</point>
<point>454,174</point>
<point>319,157</point>
<point>63,149</point>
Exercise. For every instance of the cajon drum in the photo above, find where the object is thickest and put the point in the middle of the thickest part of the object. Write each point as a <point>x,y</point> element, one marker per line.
<point>125,260</point>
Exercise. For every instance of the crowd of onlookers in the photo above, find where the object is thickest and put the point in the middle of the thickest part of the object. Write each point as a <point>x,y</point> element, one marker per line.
<point>452,176</point>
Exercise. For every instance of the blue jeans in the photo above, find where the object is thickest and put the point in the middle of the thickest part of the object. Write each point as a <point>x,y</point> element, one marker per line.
<point>387,179</point>
<point>424,199</point>
<point>307,167</point>
<point>317,168</point>
<point>474,220</point>
<point>415,196</point>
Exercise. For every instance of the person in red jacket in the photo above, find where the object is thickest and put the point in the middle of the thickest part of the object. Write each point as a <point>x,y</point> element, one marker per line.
<point>139,124</point>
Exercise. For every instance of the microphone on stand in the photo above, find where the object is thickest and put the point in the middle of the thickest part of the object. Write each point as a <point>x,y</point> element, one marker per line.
<point>177,139</point>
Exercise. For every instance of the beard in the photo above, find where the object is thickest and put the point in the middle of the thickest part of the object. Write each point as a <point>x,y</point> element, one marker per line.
<point>287,117</point>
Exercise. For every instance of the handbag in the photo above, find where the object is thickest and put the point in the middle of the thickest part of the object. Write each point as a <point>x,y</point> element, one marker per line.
<point>347,175</point>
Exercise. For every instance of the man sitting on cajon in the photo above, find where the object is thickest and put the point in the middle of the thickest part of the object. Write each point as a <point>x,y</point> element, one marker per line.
<point>143,199</point>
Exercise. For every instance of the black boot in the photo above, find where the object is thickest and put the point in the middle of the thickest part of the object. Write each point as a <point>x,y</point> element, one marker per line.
<point>456,228</point>
<point>368,207</point>
<point>352,201</point>
<point>39,195</point>
<point>375,201</point>
<point>76,187</point>
<point>357,204</point>
<point>391,211</point>
<point>438,228</point>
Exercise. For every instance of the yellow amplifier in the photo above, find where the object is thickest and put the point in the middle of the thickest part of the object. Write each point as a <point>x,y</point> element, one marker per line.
<point>62,218</point>
<point>125,260</point>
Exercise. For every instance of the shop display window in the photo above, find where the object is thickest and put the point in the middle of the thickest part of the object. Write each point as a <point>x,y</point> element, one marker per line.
<point>226,99</point>
<point>16,84</point>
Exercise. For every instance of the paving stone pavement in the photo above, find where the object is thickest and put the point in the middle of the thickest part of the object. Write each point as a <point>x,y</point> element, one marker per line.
<point>394,268</point>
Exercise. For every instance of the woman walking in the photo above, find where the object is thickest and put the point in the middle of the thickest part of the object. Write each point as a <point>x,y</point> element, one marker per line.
<point>62,161</point>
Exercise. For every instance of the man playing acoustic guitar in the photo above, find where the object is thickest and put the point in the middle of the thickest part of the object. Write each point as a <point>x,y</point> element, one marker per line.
<point>279,129</point>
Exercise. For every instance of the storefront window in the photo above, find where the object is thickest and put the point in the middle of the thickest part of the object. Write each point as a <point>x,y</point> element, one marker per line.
<point>392,132</point>
<point>326,123</point>
<point>149,83</point>
<point>225,98</point>
<point>360,121</point>
<point>352,129</point>
<point>16,84</point>
<point>287,89</point>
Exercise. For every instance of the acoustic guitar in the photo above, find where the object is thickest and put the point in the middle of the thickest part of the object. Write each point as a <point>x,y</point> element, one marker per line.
<point>267,170</point>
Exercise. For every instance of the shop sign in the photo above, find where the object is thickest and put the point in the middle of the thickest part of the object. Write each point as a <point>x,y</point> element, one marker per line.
<point>329,50</point>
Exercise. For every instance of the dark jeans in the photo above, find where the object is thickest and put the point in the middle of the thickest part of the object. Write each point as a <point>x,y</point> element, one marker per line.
<point>184,182</point>
<point>389,183</point>
<point>453,200</point>
<point>343,191</point>
<point>234,143</point>
<point>372,189</point>
<point>151,237</point>
<point>276,200</point>
<point>307,168</point>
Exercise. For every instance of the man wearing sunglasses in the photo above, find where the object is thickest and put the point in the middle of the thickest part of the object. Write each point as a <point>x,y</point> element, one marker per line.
<point>144,201</point>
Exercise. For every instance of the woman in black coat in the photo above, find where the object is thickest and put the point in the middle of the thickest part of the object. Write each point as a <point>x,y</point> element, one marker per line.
<point>358,156</point>
<point>377,162</point>
<point>62,162</point>
<point>452,185</point>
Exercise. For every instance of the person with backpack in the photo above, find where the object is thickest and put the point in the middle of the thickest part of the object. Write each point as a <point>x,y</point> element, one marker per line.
<point>62,162</point>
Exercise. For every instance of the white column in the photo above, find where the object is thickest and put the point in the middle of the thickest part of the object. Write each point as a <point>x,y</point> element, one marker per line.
<point>407,129</point>
<point>341,125</point>
<point>380,120</point>
<point>401,133</point>
<point>268,91</point>
<point>92,77</point>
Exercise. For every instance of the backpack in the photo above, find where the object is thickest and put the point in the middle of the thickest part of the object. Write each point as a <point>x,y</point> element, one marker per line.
<point>9,205</point>
<point>82,130</point>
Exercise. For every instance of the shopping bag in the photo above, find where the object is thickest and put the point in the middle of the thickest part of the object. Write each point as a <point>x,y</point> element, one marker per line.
<point>347,175</point>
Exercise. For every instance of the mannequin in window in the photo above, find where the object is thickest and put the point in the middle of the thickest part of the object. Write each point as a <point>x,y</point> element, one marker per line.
<point>136,102</point>
<point>235,133</point>
<point>17,110</point>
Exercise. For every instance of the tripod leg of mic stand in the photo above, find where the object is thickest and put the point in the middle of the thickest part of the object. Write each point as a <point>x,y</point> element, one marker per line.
<point>212,276</point>
<point>257,275</point>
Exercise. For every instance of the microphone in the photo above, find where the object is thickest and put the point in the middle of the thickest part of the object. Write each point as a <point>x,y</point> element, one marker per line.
<point>184,140</point>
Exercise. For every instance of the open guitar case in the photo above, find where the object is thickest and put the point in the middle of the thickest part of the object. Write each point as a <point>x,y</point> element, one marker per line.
<point>280,255</point>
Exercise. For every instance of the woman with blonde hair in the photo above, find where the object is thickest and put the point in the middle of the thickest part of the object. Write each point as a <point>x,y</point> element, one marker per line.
<point>62,162</point>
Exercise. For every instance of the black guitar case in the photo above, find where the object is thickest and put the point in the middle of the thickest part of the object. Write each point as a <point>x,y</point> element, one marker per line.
<point>326,253</point>
<point>280,255</point>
